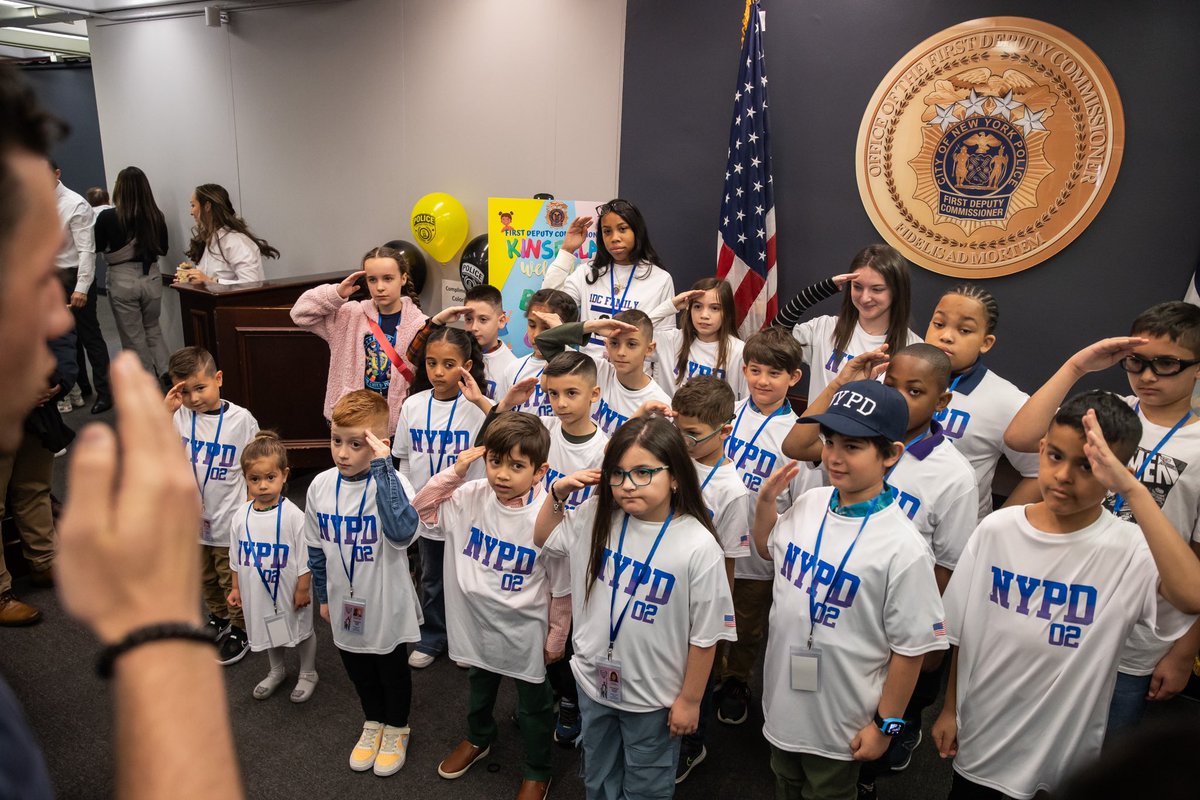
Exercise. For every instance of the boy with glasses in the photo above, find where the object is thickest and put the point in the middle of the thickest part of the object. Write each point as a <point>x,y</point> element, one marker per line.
<point>1162,358</point>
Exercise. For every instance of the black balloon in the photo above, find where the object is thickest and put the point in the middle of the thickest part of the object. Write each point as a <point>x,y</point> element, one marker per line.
<point>473,265</point>
<point>416,262</point>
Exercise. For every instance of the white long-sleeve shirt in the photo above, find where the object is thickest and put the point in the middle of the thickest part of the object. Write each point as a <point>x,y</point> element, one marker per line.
<point>79,243</point>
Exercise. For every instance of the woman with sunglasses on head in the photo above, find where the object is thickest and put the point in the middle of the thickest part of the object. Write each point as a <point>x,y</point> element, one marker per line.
<point>624,273</point>
<point>1162,358</point>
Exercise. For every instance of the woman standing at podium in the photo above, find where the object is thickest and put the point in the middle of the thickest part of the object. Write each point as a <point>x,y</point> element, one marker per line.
<point>223,248</point>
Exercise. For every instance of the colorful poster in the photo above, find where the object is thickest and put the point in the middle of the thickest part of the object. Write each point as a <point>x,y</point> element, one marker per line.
<point>523,237</point>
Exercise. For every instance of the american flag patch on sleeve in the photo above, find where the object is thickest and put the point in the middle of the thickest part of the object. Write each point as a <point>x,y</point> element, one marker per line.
<point>939,628</point>
<point>729,621</point>
<point>744,540</point>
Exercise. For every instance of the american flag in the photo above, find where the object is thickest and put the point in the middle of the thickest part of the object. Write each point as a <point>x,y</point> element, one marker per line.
<point>746,233</point>
<point>939,628</point>
<point>729,621</point>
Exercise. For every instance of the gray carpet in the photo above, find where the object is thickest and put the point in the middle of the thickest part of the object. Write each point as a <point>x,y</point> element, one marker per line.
<point>288,750</point>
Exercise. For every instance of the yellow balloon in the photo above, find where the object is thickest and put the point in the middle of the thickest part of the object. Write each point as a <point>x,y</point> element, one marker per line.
<point>439,223</point>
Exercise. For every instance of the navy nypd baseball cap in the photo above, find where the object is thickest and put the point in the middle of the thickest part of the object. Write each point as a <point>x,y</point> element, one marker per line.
<point>865,409</point>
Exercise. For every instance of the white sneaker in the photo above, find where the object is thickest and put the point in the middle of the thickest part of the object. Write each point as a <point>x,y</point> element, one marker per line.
<point>393,750</point>
<point>64,406</point>
<point>75,396</point>
<point>419,660</point>
<point>363,756</point>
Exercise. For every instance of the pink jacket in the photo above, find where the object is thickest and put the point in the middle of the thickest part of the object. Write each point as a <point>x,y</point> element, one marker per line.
<point>343,324</point>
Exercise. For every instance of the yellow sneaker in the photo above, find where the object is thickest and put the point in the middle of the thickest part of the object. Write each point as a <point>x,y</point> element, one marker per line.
<point>392,751</point>
<point>363,757</point>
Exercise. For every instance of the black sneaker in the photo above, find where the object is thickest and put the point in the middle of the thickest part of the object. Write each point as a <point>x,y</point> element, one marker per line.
<point>232,646</point>
<point>569,726</point>
<point>216,626</point>
<point>735,702</point>
<point>899,753</point>
<point>689,759</point>
<point>866,791</point>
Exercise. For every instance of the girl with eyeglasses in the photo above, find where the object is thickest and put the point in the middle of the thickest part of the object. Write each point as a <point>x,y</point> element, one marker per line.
<point>625,271</point>
<point>650,601</point>
<point>963,326</point>
<point>1162,358</point>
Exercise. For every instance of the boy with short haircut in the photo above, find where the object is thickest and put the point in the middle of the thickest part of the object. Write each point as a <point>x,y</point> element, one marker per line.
<point>704,415</point>
<point>543,301</point>
<point>1160,357</point>
<point>500,617</point>
<point>771,364</point>
<point>855,607</point>
<point>935,486</point>
<point>358,524</point>
<point>1042,601</point>
<point>483,317</point>
<point>624,384</point>
<point>213,431</point>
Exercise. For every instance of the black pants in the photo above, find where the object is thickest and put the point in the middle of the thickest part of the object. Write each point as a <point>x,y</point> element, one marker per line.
<point>562,680</point>
<point>383,683</point>
<point>88,339</point>
<point>963,789</point>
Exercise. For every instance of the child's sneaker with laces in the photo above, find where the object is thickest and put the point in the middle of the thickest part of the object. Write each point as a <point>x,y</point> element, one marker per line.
<point>393,750</point>
<point>232,646</point>
<point>568,727</point>
<point>362,758</point>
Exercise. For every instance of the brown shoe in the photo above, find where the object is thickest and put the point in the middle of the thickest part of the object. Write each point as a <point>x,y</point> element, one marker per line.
<point>42,578</point>
<point>462,759</point>
<point>533,790</point>
<point>13,612</point>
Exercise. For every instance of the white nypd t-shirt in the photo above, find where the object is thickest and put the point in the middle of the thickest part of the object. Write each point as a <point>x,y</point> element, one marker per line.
<point>347,528</point>
<point>982,406</point>
<point>495,364</point>
<point>1176,489</point>
<point>431,433</point>
<point>497,587</point>
<point>566,457</point>
<point>937,491</point>
<point>883,601</point>
<point>702,361</point>
<point>816,337</point>
<point>617,401</point>
<point>729,505</point>
<point>755,446</point>
<point>529,366</point>
<point>612,292</point>
<point>681,598</point>
<point>215,453</point>
<point>1039,619</point>
<point>261,562</point>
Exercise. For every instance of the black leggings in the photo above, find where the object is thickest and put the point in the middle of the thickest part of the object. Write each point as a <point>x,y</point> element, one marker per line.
<point>383,683</point>
<point>963,789</point>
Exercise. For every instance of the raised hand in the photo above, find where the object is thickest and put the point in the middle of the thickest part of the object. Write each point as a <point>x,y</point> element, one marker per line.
<point>1104,353</point>
<point>520,393</point>
<point>841,280</point>
<point>451,314</point>
<point>609,327</point>
<point>1106,467</point>
<point>466,458</point>
<point>685,299</point>
<point>350,285</point>
<point>654,407</point>
<point>174,398</point>
<point>774,485</point>
<point>575,481</point>
<point>576,234</point>
<point>380,448</point>
<point>867,367</point>
<point>551,319</point>
<point>469,388</point>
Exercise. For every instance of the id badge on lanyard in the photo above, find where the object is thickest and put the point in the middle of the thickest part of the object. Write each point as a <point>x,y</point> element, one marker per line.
<point>354,616</point>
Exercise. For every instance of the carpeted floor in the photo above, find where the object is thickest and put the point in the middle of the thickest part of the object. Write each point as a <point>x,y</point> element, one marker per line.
<point>288,750</point>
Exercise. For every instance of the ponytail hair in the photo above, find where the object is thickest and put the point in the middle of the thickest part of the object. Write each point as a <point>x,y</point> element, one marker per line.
<point>468,350</point>
<point>266,444</point>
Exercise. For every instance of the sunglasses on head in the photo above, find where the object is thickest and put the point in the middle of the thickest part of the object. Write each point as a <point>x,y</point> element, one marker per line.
<point>620,206</point>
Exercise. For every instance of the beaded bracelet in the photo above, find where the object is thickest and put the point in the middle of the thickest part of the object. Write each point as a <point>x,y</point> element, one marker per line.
<point>150,633</point>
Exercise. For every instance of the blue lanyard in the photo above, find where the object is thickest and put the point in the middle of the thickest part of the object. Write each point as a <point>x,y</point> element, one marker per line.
<point>262,574</point>
<point>907,447</point>
<point>216,445</point>
<point>341,535</point>
<point>812,588</point>
<point>782,409</point>
<point>1119,503</point>
<point>711,472</point>
<point>614,628</point>
<point>612,288</point>
<point>522,369</point>
<point>428,427</point>
<point>954,383</point>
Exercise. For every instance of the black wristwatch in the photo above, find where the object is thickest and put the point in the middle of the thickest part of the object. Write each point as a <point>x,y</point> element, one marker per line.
<point>892,726</point>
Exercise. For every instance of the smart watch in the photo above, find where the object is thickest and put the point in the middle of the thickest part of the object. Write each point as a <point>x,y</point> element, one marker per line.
<point>892,726</point>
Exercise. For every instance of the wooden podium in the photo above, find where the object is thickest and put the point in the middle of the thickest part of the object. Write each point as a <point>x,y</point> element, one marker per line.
<point>270,366</point>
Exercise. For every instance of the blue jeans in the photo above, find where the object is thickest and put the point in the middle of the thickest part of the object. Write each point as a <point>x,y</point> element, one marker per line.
<point>627,755</point>
<point>1128,702</point>
<point>433,599</point>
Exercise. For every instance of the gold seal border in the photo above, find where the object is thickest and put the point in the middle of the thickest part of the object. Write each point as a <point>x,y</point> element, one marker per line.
<point>1106,90</point>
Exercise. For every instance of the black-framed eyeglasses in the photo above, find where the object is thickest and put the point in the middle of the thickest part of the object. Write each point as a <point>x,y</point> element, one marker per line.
<point>618,205</point>
<point>640,476</point>
<point>1162,366</point>
<point>692,441</point>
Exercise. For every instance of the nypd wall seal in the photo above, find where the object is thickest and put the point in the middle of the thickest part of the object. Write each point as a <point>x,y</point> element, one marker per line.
<point>990,147</point>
